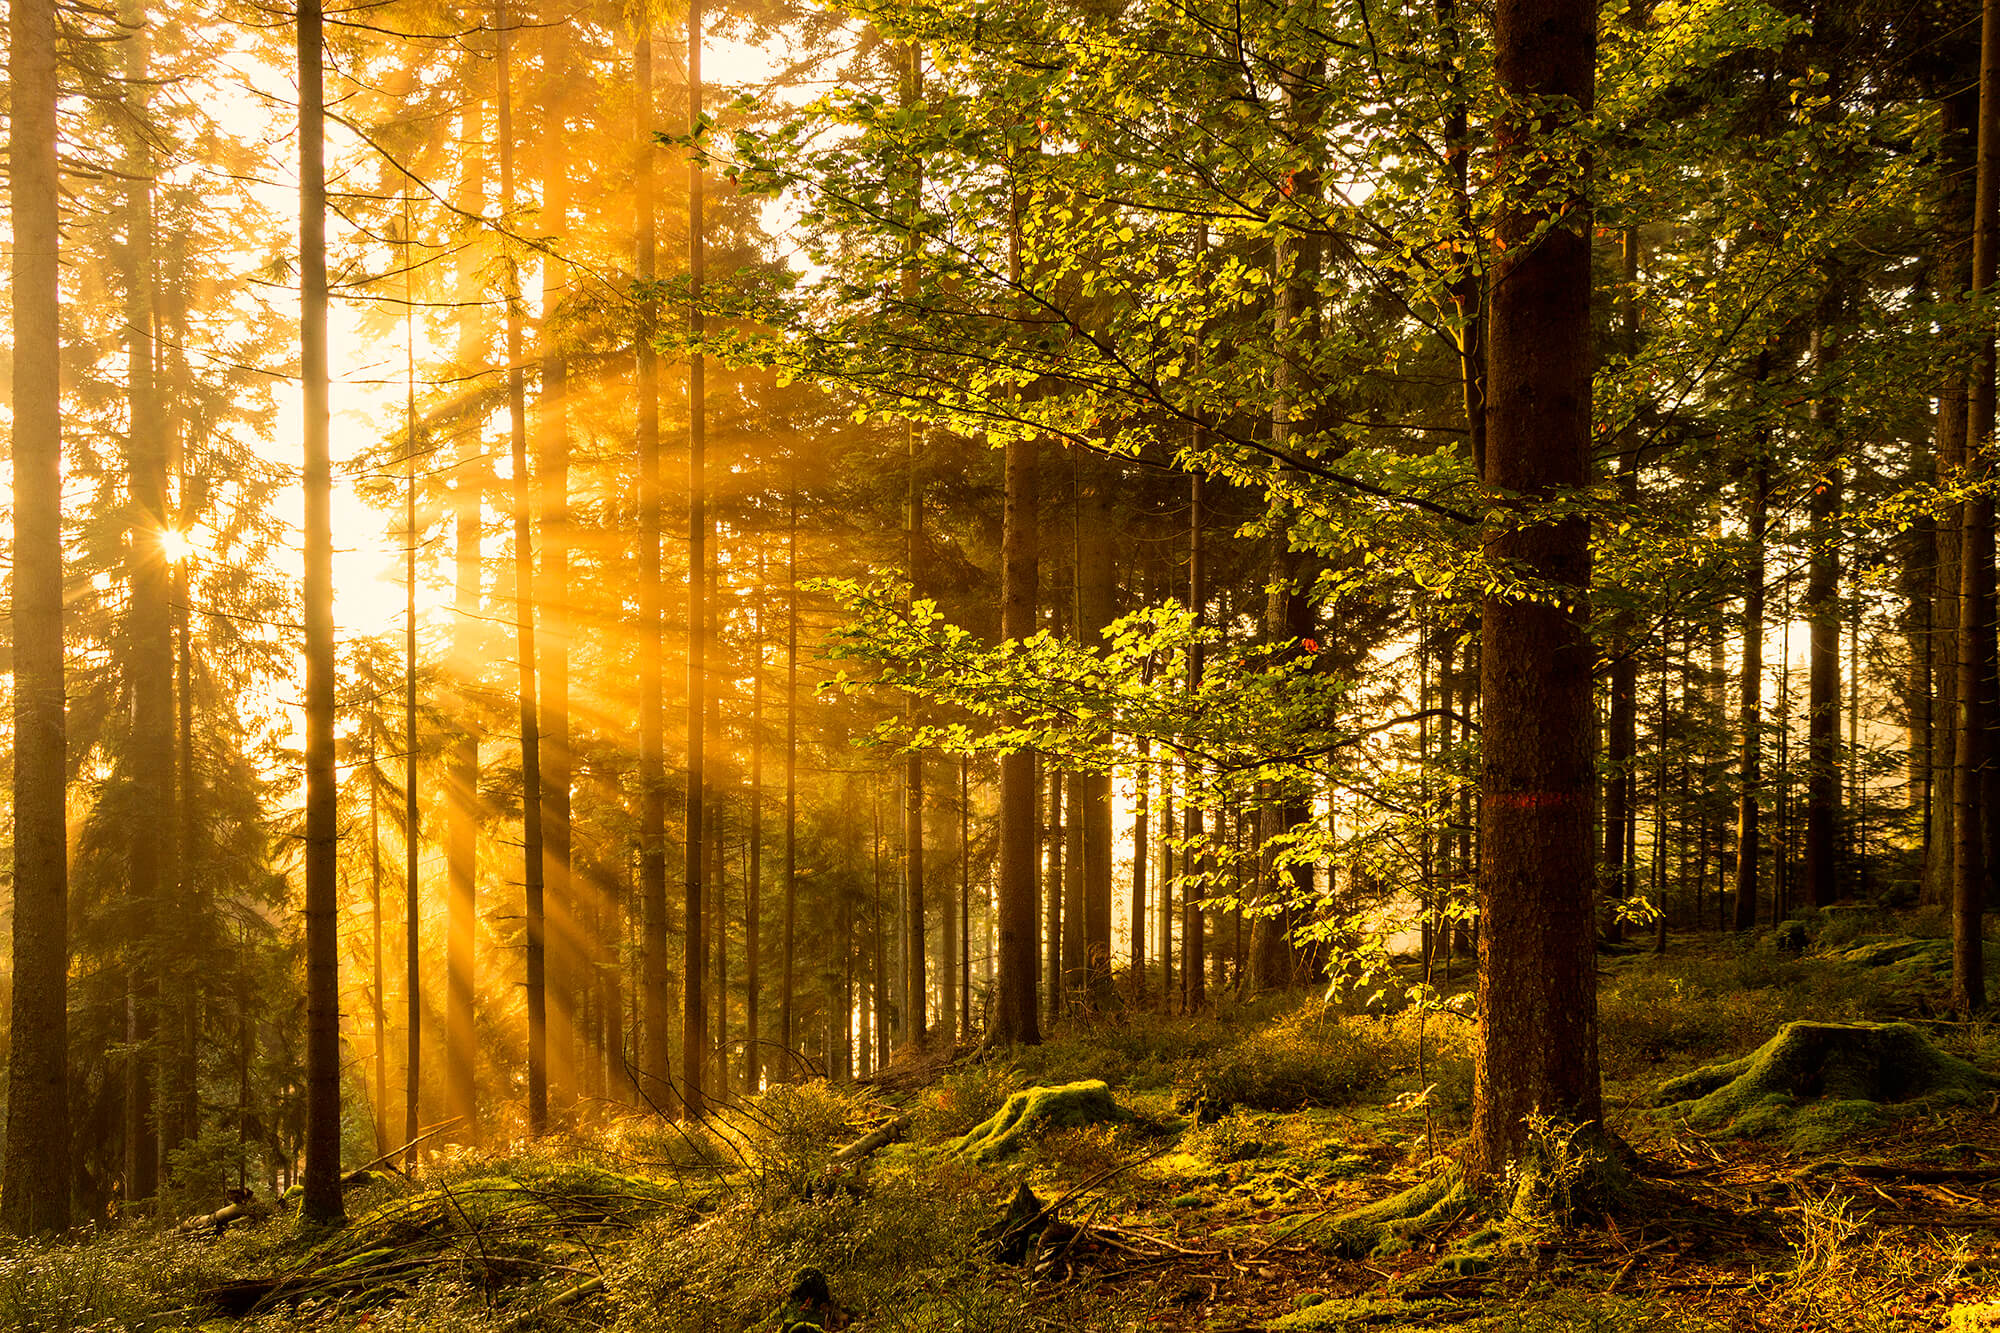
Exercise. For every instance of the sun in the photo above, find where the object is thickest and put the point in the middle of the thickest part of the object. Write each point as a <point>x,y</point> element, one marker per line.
<point>174,545</point>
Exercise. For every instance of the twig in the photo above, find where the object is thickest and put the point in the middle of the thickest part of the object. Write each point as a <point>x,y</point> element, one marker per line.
<point>529,1318</point>
<point>388,1157</point>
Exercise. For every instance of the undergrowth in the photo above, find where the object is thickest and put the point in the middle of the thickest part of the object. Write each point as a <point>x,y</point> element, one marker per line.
<point>1290,1109</point>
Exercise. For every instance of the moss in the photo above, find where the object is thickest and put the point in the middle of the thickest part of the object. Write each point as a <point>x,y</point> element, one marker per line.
<point>1035,1111</point>
<point>1981,1315</point>
<point>1852,1070</point>
<point>1325,1316</point>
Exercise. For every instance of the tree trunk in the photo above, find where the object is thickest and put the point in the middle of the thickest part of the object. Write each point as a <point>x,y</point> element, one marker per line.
<point>1750,696</point>
<point>561,911</point>
<point>878,973</point>
<point>718,890</point>
<point>1971,862</point>
<point>35,1190</point>
<point>1166,931</point>
<point>1196,861</point>
<point>380,1006</point>
<point>957,965</point>
<point>1014,1016</point>
<point>413,986</point>
<point>753,880</point>
<point>1053,889</point>
<point>694,1021</point>
<point>915,1020</point>
<point>655,1063</point>
<point>1536,1049</point>
<point>1822,609</point>
<point>321,1202</point>
<point>461,1053</point>
<point>1622,727</point>
<point>524,616</point>
<point>149,663</point>
<point>1142,778</point>
<point>1958,116</point>
<point>181,873</point>
<point>1096,590</point>
<point>787,987</point>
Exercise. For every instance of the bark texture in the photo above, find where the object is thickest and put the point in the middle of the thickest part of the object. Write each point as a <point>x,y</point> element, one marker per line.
<point>1536,1049</point>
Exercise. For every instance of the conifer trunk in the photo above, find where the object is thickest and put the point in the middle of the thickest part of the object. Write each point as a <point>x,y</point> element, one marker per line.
<point>1750,695</point>
<point>524,613</point>
<point>787,1033</point>
<point>1822,609</point>
<point>1971,864</point>
<point>753,883</point>
<point>149,664</point>
<point>1958,118</point>
<point>1536,1049</point>
<point>1622,726</point>
<point>561,939</point>
<point>1195,861</point>
<point>694,1021</point>
<point>413,987</point>
<point>320,1201</point>
<point>462,785</point>
<point>1014,1016</point>
<point>655,1059</point>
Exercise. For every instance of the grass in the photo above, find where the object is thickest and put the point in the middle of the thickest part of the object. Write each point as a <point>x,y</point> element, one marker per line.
<point>1198,1217</point>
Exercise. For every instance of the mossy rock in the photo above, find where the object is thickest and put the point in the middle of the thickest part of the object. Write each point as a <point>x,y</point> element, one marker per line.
<point>1851,1073</point>
<point>1032,1112</point>
<point>1965,1318</point>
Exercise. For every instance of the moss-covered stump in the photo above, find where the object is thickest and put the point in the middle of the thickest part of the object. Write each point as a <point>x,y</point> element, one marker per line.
<point>1819,1083</point>
<point>1032,1112</point>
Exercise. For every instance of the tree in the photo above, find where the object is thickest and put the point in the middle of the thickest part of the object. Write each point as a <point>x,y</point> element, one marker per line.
<point>560,936</point>
<point>321,1201</point>
<point>1972,816</point>
<point>470,480</point>
<point>35,1187</point>
<point>524,608</point>
<point>654,1061</point>
<point>152,641</point>
<point>694,1023</point>
<point>1536,1050</point>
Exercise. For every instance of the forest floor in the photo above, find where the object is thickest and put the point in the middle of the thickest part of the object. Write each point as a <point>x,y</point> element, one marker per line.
<point>1205,1204</point>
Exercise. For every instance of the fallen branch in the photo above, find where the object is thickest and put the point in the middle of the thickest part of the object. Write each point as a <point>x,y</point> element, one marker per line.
<point>582,1291</point>
<point>1922,1175</point>
<point>873,1142</point>
<point>392,1155</point>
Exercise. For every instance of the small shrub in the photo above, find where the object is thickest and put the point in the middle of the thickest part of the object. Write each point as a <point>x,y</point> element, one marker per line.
<point>1305,1059</point>
<point>795,1128</point>
<point>1080,1154</point>
<point>958,1102</point>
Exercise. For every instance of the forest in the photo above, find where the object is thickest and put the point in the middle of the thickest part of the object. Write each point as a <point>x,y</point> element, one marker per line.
<point>1217,665</point>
